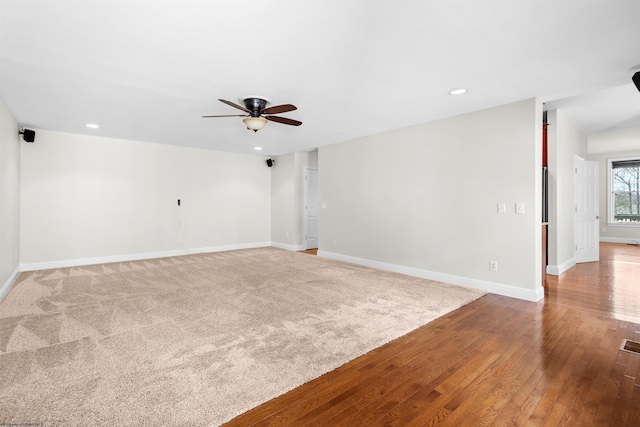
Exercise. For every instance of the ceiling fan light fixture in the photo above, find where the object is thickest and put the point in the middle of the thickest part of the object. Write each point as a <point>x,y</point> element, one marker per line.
<point>255,123</point>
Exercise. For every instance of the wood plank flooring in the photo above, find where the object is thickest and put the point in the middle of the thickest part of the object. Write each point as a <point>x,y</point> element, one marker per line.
<point>311,251</point>
<point>495,362</point>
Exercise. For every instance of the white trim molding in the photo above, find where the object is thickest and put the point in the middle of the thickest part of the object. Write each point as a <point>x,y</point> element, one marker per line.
<point>626,240</point>
<point>492,287</point>
<point>136,257</point>
<point>7,285</point>
<point>294,248</point>
<point>556,270</point>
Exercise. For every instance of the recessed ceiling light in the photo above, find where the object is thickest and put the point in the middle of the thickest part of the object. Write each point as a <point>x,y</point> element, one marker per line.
<point>458,91</point>
<point>257,148</point>
<point>92,126</point>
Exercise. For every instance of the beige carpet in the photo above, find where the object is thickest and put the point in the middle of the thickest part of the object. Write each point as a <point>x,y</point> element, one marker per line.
<point>194,340</point>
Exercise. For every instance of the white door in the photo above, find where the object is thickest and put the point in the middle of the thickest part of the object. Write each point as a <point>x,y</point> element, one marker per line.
<point>586,219</point>
<point>311,208</point>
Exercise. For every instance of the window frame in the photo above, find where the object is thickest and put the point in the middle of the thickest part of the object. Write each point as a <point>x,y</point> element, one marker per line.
<point>610,194</point>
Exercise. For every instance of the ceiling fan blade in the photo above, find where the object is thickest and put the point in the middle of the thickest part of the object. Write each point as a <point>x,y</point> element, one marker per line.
<point>283,120</point>
<point>279,109</point>
<point>226,115</point>
<point>239,107</point>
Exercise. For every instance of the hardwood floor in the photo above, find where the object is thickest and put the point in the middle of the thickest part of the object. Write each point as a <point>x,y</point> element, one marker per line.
<point>311,251</point>
<point>497,361</point>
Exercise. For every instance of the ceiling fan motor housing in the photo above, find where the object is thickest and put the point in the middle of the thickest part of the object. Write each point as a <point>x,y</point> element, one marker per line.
<point>255,104</point>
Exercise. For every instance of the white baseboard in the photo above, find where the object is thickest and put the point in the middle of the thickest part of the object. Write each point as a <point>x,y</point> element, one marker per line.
<point>619,240</point>
<point>556,270</point>
<point>288,247</point>
<point>494,288</point>
<point>136,257</point>
<point>7,285</point>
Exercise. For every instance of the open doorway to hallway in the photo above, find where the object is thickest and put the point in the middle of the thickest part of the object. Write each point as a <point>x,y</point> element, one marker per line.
<point>310,208</point>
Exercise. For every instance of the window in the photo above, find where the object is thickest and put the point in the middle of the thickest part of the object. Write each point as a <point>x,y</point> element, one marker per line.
<point>624,202</point>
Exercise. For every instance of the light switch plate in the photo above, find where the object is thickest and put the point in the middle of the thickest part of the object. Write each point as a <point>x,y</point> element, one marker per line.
<point>519,208</point>
<point>502,208</point>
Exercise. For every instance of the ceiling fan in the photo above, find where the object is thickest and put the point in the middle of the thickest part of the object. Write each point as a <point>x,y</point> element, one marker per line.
<point>258,112</point>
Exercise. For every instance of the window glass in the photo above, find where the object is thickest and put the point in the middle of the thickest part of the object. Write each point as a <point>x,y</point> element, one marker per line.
<point>625,185</point>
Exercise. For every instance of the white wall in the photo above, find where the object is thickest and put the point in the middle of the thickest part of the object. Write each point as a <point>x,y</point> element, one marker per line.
<point>284,215</point>
<point>565,140</point>
<point>614,141</point>
<point>9,198</point>
<point>423,199</point>
<point>90,199</point>
<point>606,145</point>
<point>287,193</point>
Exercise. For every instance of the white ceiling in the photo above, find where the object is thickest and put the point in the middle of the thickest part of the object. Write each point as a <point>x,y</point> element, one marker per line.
<point>148,70</point>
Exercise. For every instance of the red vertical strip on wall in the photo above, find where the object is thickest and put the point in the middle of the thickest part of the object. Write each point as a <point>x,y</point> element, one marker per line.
<point>544,145</point>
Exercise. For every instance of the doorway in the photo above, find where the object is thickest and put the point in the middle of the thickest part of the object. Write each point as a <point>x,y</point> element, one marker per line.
<point>310,208</point>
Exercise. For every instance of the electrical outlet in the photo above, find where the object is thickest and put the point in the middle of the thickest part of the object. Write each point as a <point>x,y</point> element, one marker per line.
<point>493,265</point>
<point>604,230</point>
<point>334,242</point>
<point>286,235</point>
